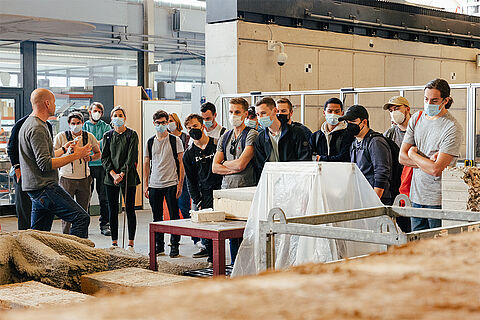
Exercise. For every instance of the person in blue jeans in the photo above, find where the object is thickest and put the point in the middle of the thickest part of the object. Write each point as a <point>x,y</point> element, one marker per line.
<point>39,163</point>
<point>431,143</point>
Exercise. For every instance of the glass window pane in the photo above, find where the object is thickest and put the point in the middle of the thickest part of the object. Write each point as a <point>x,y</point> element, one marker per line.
<point>10,64</point>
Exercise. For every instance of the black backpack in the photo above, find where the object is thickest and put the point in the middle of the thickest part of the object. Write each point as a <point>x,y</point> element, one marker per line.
<point>397,168</point>
<point>173,144</point>
<point>69,136</point>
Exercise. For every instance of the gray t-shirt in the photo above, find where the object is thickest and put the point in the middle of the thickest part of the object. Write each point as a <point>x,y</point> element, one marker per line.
<point>274,157</point>
<point>445,135</point>
<point>396,134</point>
<point>246,178</point>
<point>36,153</point>
<point>163,172</point>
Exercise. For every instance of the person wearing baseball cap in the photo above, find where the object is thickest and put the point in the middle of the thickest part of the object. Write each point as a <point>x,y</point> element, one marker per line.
<point>399,109</point>
<point>371,152</point>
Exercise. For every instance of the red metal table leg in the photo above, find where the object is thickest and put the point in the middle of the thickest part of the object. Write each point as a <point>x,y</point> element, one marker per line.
<point>153,256</point>
<point>218,257</point>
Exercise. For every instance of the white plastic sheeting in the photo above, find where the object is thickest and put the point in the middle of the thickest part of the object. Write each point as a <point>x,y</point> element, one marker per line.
<point>301,189</point>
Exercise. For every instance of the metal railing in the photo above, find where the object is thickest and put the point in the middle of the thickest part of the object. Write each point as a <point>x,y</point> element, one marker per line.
<point>342,93</point>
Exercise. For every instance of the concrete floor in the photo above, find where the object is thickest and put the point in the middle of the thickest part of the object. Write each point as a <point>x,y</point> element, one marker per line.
<point>144,217</point>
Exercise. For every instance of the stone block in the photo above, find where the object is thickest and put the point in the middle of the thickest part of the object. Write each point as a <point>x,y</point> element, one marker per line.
<point>207,216</point>
<point>32,294</point>
<point>234,202</point>
<point>112,281</point>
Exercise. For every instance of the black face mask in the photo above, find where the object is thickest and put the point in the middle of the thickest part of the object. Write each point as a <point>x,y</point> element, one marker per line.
<point>353,129</point>
<point>196,134</point>
<point>283,118</point>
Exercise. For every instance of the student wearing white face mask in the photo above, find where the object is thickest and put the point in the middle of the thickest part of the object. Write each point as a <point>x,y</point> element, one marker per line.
<point>399,109</point>
<point>332,142</point>
<point>96,126</point>
<point>233,159</point>
<point>163,177</point>
<point>75,177</point>
<point>432,142</point>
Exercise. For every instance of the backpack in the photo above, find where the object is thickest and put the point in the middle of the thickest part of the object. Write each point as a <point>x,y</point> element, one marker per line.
<point>173,144</point>
<point>243,138</point>
<point>69,136</point>
<point>108,137</point>
<point>397,168</point>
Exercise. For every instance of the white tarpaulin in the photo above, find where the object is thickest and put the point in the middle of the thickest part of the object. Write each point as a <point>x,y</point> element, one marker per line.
<point>301,189</point>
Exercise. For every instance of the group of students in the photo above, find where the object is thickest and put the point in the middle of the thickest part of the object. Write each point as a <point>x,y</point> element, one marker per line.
<point>183,169</point>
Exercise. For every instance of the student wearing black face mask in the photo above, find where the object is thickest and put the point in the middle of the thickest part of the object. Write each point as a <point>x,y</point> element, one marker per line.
<point>371,152</point>
<point>285,115</point>
<point>198,160</point>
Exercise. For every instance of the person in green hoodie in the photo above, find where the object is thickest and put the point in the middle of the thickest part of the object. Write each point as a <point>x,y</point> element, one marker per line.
<point>119,159</point>
<point>96,126</point>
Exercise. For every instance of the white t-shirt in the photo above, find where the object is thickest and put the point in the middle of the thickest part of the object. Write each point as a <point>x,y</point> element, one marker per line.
<point>76,169</point>
<point>163,172</point>
<point>216,133</point>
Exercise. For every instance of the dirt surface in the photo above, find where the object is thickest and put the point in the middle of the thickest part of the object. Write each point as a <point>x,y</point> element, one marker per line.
<point>433,279</point>
<point>56,259</point>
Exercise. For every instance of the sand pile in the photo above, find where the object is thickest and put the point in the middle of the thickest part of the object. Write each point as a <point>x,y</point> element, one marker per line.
<point>56,259</point>
<point>433,279</point>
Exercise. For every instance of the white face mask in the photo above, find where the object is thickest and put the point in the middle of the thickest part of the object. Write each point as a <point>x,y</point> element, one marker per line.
<point>75,128</point>
<point>96,115</point>
<point>332,118</point>
<point>397,116</point>
<point>172,126</point>
<point>235,120</point>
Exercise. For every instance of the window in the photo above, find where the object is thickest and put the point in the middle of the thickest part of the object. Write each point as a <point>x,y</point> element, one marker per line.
<point>10,64</point>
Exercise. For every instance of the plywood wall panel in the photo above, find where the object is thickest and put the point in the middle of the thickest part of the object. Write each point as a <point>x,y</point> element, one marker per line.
<point>368,70</point>
<point>426,70</point>
<point>130,98</point>
<point>293,74</point>
<point>336,69</point>
<point>257,69</point>
<point>398,71</point>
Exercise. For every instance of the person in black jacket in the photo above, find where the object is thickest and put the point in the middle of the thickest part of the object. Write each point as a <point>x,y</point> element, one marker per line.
<point>278,142</point>
<point>201,181</point>
<point>23,204</point>
<point>285,108</point>
<point>332,142</point>
<point>371,152</point>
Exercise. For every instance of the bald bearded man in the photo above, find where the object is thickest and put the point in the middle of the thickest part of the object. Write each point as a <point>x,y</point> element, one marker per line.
<point>39,165</point>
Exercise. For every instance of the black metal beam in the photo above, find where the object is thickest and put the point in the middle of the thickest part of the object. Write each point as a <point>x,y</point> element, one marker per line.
<point>28,52</point>
<point>362,17</point>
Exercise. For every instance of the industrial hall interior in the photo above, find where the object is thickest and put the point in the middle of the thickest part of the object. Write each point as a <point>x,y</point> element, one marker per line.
<point>239,159</point>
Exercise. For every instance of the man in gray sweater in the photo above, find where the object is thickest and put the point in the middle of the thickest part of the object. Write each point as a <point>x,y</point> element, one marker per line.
<point>39,165</point>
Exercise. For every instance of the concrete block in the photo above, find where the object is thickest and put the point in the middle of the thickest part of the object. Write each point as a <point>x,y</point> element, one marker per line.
<point>234,202</point>
<point>34,294</point>
<point>207,216</point>
<point>112,281</point>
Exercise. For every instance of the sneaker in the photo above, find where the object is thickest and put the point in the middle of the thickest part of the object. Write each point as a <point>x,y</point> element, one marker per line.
<point>105,230</point>
<point>174,252</point>
<point>114,245</point>
<point>130,248</point>
<point>201,254</point>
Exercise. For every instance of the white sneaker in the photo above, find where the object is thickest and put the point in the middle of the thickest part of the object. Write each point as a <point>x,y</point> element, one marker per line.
<point>130,248</point>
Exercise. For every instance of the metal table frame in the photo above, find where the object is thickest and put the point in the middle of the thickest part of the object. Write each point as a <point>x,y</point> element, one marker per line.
<point>218,238</point>
<point>386,232</point>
